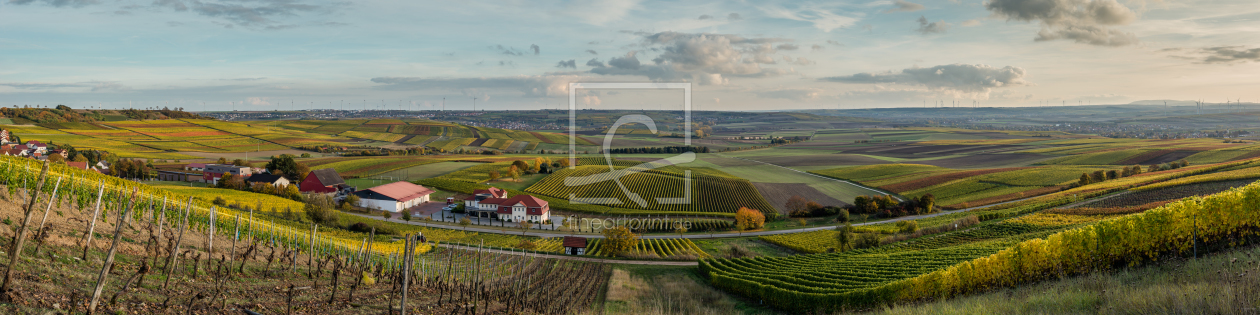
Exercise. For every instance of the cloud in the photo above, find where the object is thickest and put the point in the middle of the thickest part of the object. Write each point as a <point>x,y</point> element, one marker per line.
<point>805,94</point>
<point>971,22</point>
<point>592,100</point>
<point>798,61</point>
<point>89,86</point>
<point>976,80</point>
<point>817,47</point>
<point>705,17</point>
<point>258,101</point>
<point>594,62</point>
<point>507,63</point>
<point>787,47</point>
<point>571,63</point>
<point>905,6</point>
<point>591,51</point>
<point>703,58</point>
<point>58,3</point>
<point>1082,21</point>
<point>733,17</point>
<point>251,14</point>
<point>822,19</point>
<point>832,42</point>
<point>511,51</point>
<point>174,24</point>
<point>1220,54</point>
<point>927,28</point>
<point>527,85</point>
<point>535,48</point>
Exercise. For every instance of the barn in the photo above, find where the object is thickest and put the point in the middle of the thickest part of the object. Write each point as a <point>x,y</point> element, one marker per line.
<point>322,181</point>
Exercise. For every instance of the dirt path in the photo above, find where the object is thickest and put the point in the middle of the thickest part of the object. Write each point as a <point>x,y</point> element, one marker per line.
<point>581,258</point>
<point>875,191</point>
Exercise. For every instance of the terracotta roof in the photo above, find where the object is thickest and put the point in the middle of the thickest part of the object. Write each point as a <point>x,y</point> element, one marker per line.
<point>78,165</point>
<point>328,177</point>
<point>532,204</point>
<point>401,191</point>
<point>492,201</point>
<point>570,241</point>
<point>492,191</point>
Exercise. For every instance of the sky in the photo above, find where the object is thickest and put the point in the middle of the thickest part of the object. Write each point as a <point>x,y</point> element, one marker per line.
<point>739,55</point>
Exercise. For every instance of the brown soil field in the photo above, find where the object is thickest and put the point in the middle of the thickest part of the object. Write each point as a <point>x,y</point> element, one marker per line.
<point>820,160</point>
<point>987,160</point>
<point>778,194</point>
<point>1157,157</point>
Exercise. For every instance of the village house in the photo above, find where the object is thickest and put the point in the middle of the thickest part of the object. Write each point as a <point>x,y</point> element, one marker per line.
<point>393,197</point>
<point>473,207</point>
<point>37,146</point>
<point>514,209</point>
<point>214,172</point>
<point>269,179</point>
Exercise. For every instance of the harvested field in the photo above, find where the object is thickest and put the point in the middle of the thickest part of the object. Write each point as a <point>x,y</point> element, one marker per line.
<point>777,194</point>
<point>987,160</point>
<point>820,160</point>
<point>728,162</point>
<point>1172,193</point>
<point>1157,157</point>
<point>478,142</point>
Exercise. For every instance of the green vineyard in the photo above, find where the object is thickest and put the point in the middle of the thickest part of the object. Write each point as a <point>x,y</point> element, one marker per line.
<point>708,193</point>
<point>663,248</point>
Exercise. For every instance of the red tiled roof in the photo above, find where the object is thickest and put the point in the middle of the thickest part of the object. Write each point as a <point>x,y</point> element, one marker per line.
<point>78,165</point>
<point>532,204</point>
<point>402,191</point>
<point>492,201</point>
<point>570,241</point>
<point>494,192</point>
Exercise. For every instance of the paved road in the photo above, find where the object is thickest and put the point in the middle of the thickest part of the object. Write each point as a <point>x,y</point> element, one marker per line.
<point>581,258</point>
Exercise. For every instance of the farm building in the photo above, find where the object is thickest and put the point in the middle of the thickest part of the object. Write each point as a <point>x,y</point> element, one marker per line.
<point>515,209</point>
<point>393,197</point>
<point>269,179</point>
<point>322,181</point>
<point>169,175</point>
<point>214,172</point>
<point>574,245</point>
<point>195,167</point>
<point>472,204</point>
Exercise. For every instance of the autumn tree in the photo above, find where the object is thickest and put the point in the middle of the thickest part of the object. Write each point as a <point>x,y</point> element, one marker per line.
<point>618,240</point>
<point>514,172</point>
<point>796,205</point>
<point>1084,180</point>
<point>494,175</point>
<point>520,165</point>
<point>844,238</point>
<point>563,163</point>
<point>749,219</point>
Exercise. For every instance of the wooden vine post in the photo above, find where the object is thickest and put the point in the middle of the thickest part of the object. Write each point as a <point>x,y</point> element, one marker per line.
<point>109,258</point>
<point>15,251</point>
<point>39,231</point>
<point>87,238</point>
<point>170,261</point>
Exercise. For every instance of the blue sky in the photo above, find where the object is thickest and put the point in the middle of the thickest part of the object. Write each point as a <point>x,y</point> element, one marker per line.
<point>742,55</point>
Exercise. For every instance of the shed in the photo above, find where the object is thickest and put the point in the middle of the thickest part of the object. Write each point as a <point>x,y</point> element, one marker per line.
<point>574,245</point>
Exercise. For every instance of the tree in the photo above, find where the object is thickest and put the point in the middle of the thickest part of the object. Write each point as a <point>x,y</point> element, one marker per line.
<point>1153,168</point>
<point>494,175</point>
<point>928,202</point>
<point>749,219</point>
<point>222,160</point>
<point>56,158</point>
<point>80,158</point>
<point>1098,176</point>
<point>320,209</point>
<point>292,192</point>
<point>240,162</point>
<point>514,172</point>
<point>866,240</point>
<point>1184,163</point>
<point>524,225</point>
<point>520,165</point>
<point>285,165</point>
<point>406,216</point>
<point>464,222</point>
<point>796,205</point>
<point>844,216</point>
<point>618,240</point>
<point>538,163</point>
<point>563,163</point>
<point>680,228</point>
<point>845,238</point>
<point>1084,180</point>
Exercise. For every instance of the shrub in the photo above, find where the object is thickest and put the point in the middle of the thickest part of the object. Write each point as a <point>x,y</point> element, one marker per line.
<point>218,201</point>
<point>319,209</point>
<point>618,240</point>
<point>909,226</point>
<point>844,216</point>
<point>406,216</point>
<point>866,240</point>
<point>387,215</point>
<point>360,227</point>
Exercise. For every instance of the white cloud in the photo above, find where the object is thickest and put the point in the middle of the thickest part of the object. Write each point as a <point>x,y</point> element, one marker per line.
<point>822,19</point>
